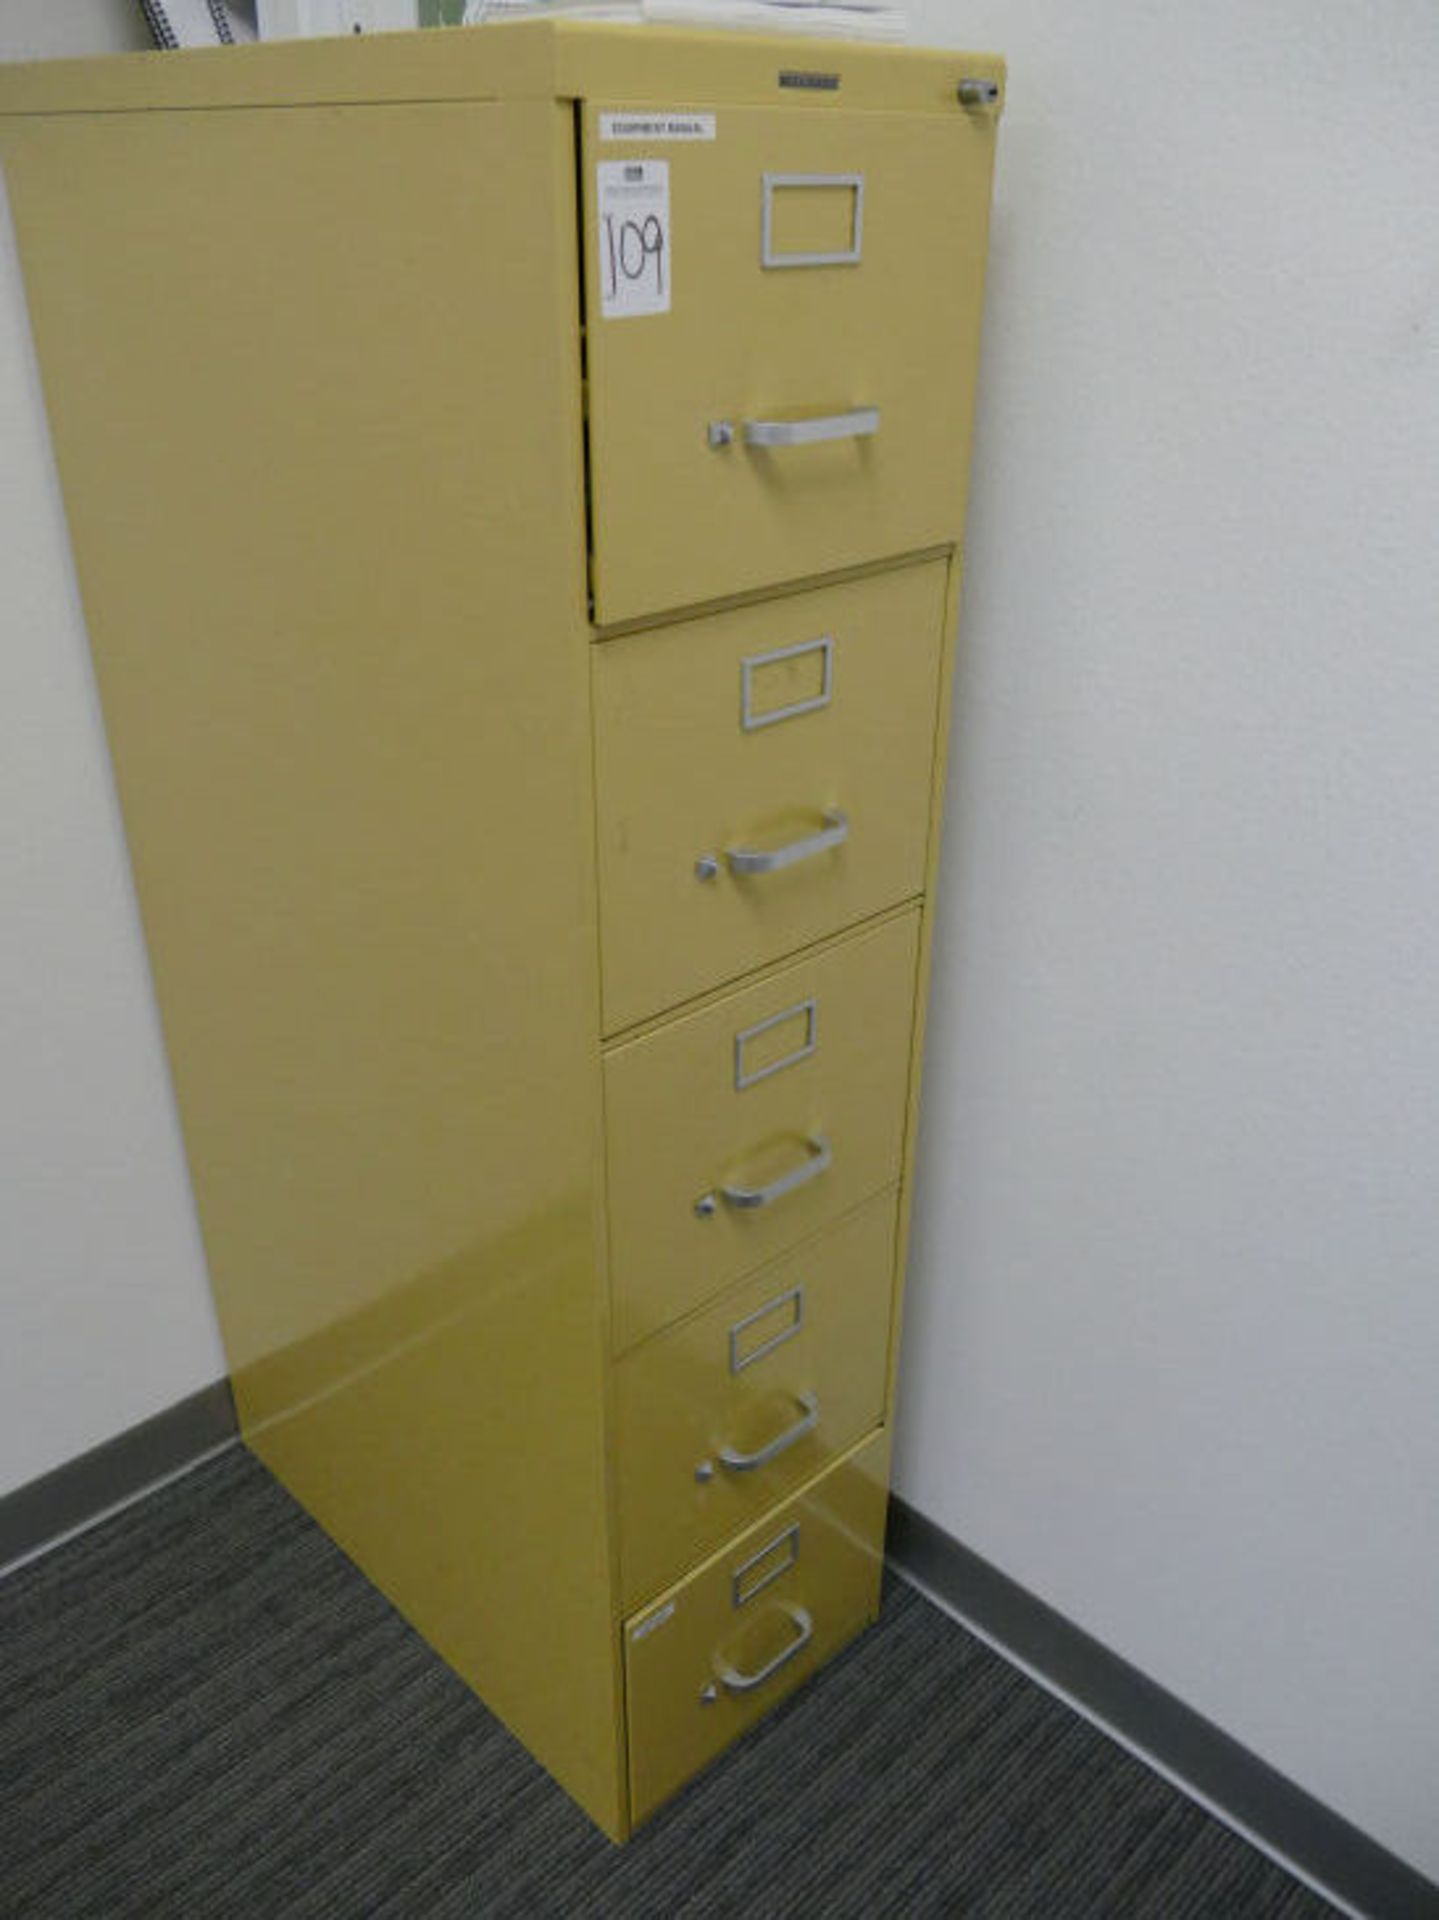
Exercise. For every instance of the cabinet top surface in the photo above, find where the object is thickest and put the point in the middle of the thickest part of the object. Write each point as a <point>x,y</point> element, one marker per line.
<point>533,59</point>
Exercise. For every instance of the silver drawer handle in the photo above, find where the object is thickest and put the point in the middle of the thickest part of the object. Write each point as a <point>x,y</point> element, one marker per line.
<point>746,1462</point>
<point>738,1682</point>
<point>818,1156</point>
<point>833,833</point>
<point>858,424</point>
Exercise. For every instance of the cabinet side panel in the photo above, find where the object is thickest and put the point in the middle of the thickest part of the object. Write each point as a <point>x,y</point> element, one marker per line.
<point>313,382</point>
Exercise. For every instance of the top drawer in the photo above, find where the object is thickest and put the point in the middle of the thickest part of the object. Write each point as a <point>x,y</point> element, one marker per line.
<point>811,279</point>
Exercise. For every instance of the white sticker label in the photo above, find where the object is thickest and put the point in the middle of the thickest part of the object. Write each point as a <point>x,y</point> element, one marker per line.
<point>657,126</point>
<point>634,237</point>
<point>656,1619</point>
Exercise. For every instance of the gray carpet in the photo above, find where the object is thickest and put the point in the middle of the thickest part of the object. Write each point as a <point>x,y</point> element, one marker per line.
<point>206,1711</point>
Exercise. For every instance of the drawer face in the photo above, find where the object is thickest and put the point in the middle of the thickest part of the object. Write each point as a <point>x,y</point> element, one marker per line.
<point>721,1417</point>
<point>753,731</point>
<point>866,318</point>
<point>716,1165</point>
<point>718,1651</point>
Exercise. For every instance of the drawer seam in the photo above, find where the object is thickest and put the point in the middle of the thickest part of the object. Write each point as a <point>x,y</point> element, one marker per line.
<point>619,1354</point>
<point>758,977</point>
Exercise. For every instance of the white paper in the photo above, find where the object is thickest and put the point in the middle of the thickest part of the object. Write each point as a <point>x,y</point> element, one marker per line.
<point>657,126</point>
<point>633,237</point>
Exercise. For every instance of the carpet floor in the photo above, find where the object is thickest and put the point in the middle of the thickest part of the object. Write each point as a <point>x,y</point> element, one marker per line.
<point>205,1711</point>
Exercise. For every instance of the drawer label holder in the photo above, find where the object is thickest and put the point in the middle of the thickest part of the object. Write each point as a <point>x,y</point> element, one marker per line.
<point>748,1073</point>
<point>754,714</point>
<point>751,1340</point>
<point>849,184</point>
<point>771,1563</point>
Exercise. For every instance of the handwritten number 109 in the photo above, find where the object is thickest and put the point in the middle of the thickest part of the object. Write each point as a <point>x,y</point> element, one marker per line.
<point>634,248</point>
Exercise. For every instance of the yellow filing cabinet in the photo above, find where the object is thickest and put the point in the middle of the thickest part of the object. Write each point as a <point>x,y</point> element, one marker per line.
<point>516,483</point>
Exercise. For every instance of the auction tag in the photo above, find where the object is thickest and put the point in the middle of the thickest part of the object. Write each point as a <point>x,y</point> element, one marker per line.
<point>634,237</point>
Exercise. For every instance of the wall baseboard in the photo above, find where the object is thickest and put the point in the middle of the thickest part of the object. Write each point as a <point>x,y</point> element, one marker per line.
<point>1240,1788</point>
<point>45,1511</point>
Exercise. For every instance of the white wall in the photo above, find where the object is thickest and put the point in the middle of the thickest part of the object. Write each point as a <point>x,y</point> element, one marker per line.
<point>105,1315</point>
<point>1173,1340</point>
<point>71,29</point>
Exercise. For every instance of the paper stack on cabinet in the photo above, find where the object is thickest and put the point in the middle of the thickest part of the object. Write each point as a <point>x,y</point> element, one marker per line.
<point>829,19</point>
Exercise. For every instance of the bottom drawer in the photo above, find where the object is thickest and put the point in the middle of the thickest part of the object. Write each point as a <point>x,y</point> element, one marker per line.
<point>721,1648</point>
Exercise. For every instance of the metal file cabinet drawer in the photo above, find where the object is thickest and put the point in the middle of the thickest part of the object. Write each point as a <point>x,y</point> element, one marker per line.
<point>736,1131</point>
<point>763,780</point>
<point>717,1651</point>
<point>782,327</point>
<point>718,1418</point>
